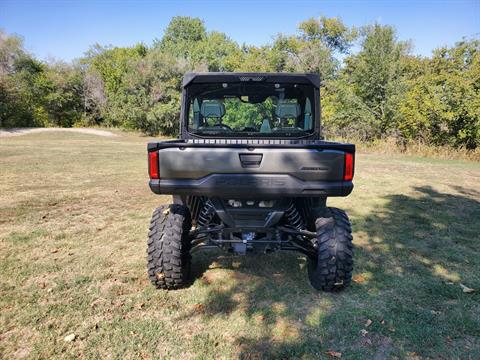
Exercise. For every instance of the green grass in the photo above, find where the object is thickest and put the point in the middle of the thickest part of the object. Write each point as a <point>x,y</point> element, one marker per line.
<point>74,213</point>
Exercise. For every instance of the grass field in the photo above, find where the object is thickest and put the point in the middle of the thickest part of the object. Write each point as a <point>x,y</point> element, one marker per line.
<point>74,213</point>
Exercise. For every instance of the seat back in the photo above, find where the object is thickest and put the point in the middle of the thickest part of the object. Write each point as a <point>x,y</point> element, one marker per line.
<point>266,128</point>
<point>212,109</point>
<point>307,120</point>
<point>287,110</point>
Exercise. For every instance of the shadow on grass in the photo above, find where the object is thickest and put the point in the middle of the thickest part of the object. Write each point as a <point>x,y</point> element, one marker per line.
<point>412,254</point>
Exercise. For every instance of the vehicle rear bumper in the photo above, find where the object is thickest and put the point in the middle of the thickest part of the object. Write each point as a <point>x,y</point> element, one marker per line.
<point>250,185</point>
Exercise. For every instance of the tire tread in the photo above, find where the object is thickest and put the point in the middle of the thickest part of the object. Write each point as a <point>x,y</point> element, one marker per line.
<point>332,270</point>
<point>168,247</point>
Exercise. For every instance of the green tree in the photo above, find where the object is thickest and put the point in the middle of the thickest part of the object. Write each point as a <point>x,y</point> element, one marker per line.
<point>217,52</point>
<point>20,96</point>
<point>332,32</point>
<point>442,105</point>
<point>62,88</point>
<point>149,98</point>
<point>181,33</point>
<point>369,87</point>
<point>314,47</point>
<point>113,65</point>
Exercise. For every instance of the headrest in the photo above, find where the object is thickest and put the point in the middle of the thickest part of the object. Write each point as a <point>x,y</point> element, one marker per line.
<point>212,108</point>
<point>287,109</point>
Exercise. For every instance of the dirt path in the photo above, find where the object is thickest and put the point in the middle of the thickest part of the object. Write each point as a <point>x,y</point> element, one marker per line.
<point>25,131</point>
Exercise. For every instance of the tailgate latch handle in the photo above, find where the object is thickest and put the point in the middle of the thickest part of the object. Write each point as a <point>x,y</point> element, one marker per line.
<point>251,160</point>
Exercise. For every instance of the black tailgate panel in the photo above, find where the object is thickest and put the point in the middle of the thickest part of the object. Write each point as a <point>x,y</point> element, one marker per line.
<point>304,164</point>
<point>247,169</point>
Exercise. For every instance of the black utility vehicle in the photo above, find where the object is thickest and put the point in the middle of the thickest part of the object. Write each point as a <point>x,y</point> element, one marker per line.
<point>250,173</point>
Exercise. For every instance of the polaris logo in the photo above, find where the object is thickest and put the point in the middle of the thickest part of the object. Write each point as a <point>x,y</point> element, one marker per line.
<point>252,182</point>
<point>311,168</point>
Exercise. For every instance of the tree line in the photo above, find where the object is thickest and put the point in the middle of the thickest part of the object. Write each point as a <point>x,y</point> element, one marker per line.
<point>378,90</point>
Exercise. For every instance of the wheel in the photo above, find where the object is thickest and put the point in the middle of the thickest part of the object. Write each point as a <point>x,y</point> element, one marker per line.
<point>332,268</point>
<point>169,247</point>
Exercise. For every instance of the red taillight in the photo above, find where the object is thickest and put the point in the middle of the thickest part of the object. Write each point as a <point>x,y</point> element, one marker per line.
<point>153,165</point>
<point>348,168</point>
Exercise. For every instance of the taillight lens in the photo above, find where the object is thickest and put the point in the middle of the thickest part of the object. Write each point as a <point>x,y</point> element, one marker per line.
<point>348,168</point>
<point>153,165</point>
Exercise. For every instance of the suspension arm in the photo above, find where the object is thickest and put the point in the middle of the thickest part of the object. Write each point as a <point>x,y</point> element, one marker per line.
<point>291,231</point>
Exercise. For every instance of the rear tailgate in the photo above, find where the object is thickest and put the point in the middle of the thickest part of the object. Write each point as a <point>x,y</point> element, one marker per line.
<point>251,169</point>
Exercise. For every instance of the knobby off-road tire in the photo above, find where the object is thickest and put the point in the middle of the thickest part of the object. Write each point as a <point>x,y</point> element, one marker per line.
<point>332,270</point>
<point>169,247</point>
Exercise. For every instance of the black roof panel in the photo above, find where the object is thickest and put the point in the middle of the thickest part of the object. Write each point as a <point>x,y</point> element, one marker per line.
<point>213,77</point>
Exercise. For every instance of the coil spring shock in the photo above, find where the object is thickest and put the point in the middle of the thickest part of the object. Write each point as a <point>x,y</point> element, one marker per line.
<point>294,218</point>
<point>206,214</point>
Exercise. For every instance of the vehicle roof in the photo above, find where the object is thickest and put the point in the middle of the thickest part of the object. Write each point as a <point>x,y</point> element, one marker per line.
<point>214,77</point>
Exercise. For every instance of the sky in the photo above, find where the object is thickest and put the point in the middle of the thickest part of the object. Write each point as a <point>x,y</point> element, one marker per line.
<point>66,29</point>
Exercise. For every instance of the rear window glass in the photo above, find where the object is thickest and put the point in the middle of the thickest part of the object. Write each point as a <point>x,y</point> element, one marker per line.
<point>240,109</point>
